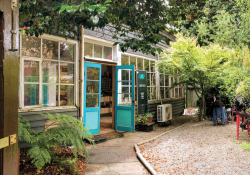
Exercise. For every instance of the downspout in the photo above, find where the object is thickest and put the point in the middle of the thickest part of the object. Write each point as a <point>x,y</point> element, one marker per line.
<point>81,71</point>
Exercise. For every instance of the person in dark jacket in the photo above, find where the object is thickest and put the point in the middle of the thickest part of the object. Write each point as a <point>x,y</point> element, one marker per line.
<point>218,108</point>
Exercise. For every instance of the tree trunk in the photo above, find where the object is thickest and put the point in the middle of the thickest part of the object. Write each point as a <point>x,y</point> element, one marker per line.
<point>202,107</point>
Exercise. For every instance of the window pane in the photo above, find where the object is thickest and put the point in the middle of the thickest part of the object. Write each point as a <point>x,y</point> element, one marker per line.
<point>161,79</point>
<point>167,93</point>
<point>67,73</point>
<point>31,46</point>
<point>108,53</point>
<point>146,65</point>
<point>92,101</point>
<point>172,92</point>
<point>92,86</point>
<point>67,52</point>
<point>93,73</point>
<point>148,79</point>
<point>172,81</point>
<point>133,62</point>
<point>149,94</point>
<point>124,74</point>
<point>152,66</point>
<point>166,81</point>
<point>31,71</point>
<point>97,51</point>
<point>139,64</point>
<point>181,92</point>
<point>176,92</point>
<point>88,48</point>
<point>125,60</point>
<point>50,49</point>
<point>66,95</point>
<point>162,92</point>
<point>153,80</point>
<point>31,94</point>
<point>124,99</point>
<point>153,93</point>
<point>50,95</point>
<point>50,72</point>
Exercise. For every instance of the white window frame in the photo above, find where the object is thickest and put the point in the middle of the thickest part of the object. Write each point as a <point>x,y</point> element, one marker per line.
<point>40,60</point>
<point>165,86</point>
<point>148,72</point>
<point>102,43</point>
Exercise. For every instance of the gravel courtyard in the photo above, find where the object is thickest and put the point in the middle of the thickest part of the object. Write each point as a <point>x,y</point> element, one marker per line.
<point>199,148</point>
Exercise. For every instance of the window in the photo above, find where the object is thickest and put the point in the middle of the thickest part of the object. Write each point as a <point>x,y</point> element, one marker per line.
<point>143,64</point>
<point>164,86</point>
<point>97,51</point>
<point>48,72</point>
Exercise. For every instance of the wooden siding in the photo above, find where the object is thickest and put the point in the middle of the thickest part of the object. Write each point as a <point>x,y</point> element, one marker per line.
<point>38,121</point>
<point>178,106</point>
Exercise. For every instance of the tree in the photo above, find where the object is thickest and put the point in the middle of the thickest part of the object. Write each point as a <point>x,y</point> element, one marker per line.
<point>195,66</point>
<point>143,19</point>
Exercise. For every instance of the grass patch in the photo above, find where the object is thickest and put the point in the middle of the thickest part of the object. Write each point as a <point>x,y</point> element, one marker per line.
<point>245,146</point>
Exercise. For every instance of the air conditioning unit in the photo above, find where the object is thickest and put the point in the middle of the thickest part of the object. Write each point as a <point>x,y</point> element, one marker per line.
<point>164,113</point>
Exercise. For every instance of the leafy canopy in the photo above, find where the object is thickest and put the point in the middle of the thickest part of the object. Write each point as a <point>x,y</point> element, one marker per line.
<point>143,19</point>
<point>195,66</point>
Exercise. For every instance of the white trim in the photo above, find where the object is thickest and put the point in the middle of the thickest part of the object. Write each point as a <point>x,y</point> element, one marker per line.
<point>57,38</point>
<point>89,38</point>
<point>40,60</point>
<point>134,55</point>
<point>100,59</point>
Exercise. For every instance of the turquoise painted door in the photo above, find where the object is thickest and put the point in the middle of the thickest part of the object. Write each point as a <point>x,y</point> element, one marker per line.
<point>92,97</point>
<point>124,99</point>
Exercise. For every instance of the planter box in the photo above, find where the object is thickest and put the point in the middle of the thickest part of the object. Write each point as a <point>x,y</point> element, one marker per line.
<point>146,127</point>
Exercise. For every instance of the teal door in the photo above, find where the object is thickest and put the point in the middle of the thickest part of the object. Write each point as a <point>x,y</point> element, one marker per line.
<point>92,97</point>
<point>124,98</point>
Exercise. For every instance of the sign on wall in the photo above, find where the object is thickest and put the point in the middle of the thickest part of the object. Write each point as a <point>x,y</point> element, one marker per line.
<point>142,95</point>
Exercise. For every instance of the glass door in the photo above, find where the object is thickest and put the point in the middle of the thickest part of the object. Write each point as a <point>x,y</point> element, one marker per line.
<point>124,101</point>
<point>92,97</point>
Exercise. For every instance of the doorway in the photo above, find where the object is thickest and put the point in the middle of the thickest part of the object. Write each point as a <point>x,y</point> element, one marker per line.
<point>106,120</point>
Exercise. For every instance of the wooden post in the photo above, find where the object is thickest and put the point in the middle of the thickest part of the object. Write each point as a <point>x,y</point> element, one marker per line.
<point>113,97</point>
<point>9,72</point>
<point>81,81</point>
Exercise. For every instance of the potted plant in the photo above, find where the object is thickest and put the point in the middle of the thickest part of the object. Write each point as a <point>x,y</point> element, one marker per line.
<point>149,116</point>
<point>145,122</point>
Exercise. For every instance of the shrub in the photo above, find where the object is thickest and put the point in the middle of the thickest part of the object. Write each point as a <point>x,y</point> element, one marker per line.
<point>63,131</point>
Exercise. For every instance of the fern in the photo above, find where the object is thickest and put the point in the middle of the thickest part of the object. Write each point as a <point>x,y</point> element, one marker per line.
<point>24,130</point>
<point>63,131</point>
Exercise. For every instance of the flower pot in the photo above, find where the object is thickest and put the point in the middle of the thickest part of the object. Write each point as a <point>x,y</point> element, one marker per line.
<point>150,119</point>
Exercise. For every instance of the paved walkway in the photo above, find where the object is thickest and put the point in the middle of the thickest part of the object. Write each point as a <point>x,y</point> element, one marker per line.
<point>199,148</point>
<point>117,156</point>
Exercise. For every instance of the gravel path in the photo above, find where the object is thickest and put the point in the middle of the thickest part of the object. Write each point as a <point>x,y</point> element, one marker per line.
<point>199,148</point>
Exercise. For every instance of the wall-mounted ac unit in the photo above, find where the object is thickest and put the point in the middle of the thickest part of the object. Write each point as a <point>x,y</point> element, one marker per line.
<point>164,113</point>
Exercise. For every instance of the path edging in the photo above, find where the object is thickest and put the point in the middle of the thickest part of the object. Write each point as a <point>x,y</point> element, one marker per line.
<point>142,159</point>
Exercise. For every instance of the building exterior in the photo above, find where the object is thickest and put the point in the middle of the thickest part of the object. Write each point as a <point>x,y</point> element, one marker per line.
<point>9,66</point>
<point>99,89</point>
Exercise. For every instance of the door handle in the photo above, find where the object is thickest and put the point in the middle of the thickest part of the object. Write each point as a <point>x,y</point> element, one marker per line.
<point>133,101</point>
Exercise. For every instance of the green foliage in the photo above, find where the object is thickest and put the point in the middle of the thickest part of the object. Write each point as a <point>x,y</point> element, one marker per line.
<point>145,19</point>
<point>24,130</point>
<point>143,118</point>
<point>196,66</point>
<point>63,131</point>
<point>245,146</point>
